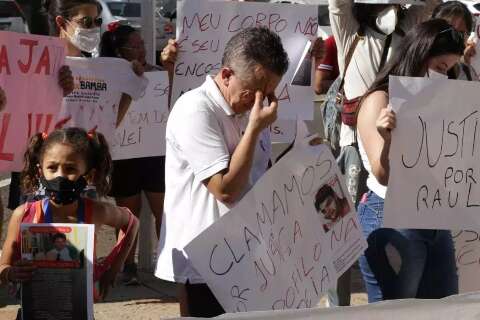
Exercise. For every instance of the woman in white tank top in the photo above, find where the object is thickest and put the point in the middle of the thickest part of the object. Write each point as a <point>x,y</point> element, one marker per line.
<point>407,263</point>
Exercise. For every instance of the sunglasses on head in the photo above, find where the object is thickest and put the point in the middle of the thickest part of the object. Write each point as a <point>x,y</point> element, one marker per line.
<point>89,22</point>
<point>456,35</point>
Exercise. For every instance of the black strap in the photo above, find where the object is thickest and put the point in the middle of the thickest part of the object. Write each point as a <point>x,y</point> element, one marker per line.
<point>466,69</point>
<point>349,56</point>
<point>388,43</point>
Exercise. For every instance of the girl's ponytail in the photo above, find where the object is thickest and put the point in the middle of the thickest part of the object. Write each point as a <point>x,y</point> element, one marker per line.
<point>102,163</point>
<point>29,176</point>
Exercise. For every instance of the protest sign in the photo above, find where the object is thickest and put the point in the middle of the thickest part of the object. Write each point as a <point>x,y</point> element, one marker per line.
<point>203,29</point>
<point>98,87</point>
<point>434,168</point>
<point>29,68</point>
<point>467,253</point>
<point>286,241</point>
<point>62,285</point>
<point>142,131</point>
<point>283,131</point>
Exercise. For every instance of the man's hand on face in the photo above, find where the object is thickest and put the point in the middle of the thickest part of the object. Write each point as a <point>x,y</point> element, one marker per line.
<point>261,116</point>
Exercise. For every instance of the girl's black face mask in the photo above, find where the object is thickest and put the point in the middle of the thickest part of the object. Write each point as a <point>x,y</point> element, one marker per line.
<point>63,191</point>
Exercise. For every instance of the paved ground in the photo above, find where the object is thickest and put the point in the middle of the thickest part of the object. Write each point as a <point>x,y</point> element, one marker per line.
<point>153,299</point>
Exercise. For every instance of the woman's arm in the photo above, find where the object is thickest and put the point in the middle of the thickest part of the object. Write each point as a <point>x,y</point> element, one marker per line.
<point>375,122</point>
<point>121,219</point>
<point>123,105</point>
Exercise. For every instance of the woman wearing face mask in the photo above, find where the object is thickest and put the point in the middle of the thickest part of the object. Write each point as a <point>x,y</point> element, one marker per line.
<point>76,21</point>
<point>132,176</point>
<point>406,263</point>
<point>458,15</point>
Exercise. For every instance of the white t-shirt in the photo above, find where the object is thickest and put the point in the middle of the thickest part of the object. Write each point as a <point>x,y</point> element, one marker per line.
<point>365,62</point>
<point>99,84</point>
<point>372,182</point>
<point>202,134</point>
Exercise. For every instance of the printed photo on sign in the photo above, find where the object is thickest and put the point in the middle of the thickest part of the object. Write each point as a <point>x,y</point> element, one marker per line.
<point>331,203</point>
<point>62,286</point>
<point>52,248</point>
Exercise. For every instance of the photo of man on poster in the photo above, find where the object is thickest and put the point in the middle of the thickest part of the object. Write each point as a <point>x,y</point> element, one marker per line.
<point>331,205</point>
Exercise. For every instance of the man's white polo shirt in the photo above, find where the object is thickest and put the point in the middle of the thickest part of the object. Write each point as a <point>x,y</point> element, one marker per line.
<point>202,133</point>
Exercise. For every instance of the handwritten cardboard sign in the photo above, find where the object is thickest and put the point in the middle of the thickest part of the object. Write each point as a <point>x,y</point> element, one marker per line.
<point>467,253</point>
<point>434,168</point>
<point>99,85</point>
<point>203,29</point>
<point>142,131</point>
<point>29,68</point>
<point>286,241</point>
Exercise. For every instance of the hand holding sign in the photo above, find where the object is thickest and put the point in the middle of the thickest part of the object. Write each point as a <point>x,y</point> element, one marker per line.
<point>65,80</point>
<point>470,51</point>
<point>261,116</point>
<point>385,123</point>
<point>169,55</point>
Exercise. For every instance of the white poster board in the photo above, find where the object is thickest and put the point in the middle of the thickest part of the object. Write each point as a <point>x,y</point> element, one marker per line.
<point>142,131</point>
<point>467,253</point>
<point>275,249</point>
<point>98,87</point>
<point>203,29</point>
<point>434,167</point>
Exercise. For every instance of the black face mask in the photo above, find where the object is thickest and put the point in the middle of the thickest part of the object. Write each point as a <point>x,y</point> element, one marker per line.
<point>63,191</point>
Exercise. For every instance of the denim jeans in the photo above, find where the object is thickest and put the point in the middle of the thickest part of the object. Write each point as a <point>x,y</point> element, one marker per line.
<point>425,259</point>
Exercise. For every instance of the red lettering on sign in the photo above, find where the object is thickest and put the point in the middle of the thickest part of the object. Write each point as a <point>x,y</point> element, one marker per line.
<point>4,60</point>
<point>3,135</point>
<point>25,67</point>
<point>44,62</point>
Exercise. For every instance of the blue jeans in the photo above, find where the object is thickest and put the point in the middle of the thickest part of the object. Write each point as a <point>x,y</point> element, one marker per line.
<point>404,263</point>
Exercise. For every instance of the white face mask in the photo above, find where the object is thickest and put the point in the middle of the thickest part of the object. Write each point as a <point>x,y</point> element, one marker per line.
<point>432,74</point>
<point>387,20</point>
<point>86,39</point>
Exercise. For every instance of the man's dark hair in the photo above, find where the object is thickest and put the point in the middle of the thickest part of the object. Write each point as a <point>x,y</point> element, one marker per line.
<point>454,9</point>
<point>59,236</point>
<point>323,193</point>
<point>426,40</point>
<point>255,46</point>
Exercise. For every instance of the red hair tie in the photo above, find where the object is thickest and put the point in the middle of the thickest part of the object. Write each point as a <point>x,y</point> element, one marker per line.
<point>44,135</point>
<point>91,133</point>
<point>113,26</point>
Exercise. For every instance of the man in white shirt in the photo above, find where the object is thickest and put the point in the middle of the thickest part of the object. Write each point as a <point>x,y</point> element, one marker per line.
<point>211,148</point>
<point>60,251</point>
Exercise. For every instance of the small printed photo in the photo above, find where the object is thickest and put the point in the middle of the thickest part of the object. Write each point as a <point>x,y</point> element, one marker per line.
<point>331,203</point>
<point>52,247</point>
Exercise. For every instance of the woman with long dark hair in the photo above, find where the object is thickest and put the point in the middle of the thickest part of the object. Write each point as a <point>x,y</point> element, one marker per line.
<point>407,263</point>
